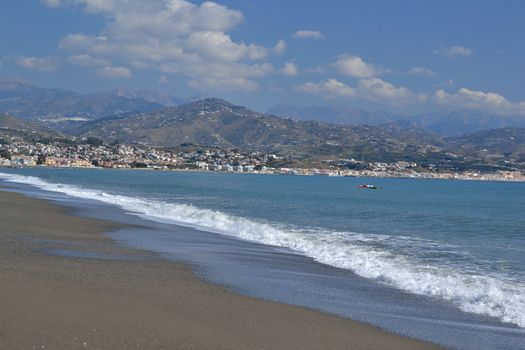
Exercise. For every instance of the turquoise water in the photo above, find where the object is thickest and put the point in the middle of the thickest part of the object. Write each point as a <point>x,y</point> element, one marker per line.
<point>459,244</point>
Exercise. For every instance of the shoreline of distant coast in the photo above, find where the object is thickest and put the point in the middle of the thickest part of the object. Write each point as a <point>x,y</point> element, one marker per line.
<point>471,176</point>
<point>121,298</point>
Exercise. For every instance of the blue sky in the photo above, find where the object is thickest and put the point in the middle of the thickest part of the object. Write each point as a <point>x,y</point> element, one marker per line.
<point>402,56</point>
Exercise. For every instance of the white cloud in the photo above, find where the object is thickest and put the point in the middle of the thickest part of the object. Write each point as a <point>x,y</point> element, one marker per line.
<point>486,101</point>
<point>328,89</point>
<point>453,51</point>
<point>373,89</point>
<point>308,34</point>
<point>279,47</point>
<point>219,46</point>
<point>354,66</point>
<point>114,72</point>
<point>289,69</point>
<point>89,5</point>
<point>169,67</point>
<point>138,64</point>
<point>422,71</point>
<point>220,75</point>
<point>376,89</point>
<point>162,79</point>
<point>43,64</point>
<point>176,37</point>
<point>88,61</point>
<point>162,19</point>
<point>94,45</point>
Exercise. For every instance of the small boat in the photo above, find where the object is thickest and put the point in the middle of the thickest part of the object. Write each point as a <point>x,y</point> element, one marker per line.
<point>368,187</point>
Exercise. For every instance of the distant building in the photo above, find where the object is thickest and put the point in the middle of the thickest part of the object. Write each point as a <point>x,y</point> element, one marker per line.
<point>23,161</point>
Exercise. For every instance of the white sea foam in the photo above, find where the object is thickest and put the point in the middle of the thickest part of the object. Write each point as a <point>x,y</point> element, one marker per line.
<point>366,255</point>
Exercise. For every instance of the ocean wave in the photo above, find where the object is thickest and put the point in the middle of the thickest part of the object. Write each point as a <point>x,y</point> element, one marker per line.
<point>377,257</point>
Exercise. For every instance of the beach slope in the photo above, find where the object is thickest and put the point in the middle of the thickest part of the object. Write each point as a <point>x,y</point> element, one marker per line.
<point>117,298</point>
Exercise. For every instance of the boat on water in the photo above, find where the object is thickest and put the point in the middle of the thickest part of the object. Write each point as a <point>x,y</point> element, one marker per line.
<point>368,187</point>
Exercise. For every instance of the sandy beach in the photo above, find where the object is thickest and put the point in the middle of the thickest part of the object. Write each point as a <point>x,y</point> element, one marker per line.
<point>128,299</point>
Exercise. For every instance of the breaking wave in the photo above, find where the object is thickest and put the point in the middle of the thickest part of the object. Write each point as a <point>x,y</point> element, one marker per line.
<point>382,258</point>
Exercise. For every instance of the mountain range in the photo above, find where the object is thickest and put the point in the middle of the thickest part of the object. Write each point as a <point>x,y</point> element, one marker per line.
<point>448,124</point>
<point>217,123</point>
<point>151,96</point>
<point>124,116</point>
<point>63,109</point>
<point>334,114</point>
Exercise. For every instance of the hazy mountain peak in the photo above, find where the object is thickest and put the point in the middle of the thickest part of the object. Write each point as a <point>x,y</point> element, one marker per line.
<point>153,96</point>
<point>63,109</point>
<point>333,114</point>
<point>14,84</point>
<point>449,123</point>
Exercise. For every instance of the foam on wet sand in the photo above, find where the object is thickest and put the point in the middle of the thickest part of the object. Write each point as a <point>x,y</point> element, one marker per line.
<point>138,301</point>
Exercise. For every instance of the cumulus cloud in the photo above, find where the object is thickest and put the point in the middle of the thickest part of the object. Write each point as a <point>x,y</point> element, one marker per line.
<point>176,37</point>
<point>354,66</point>
<point>221,76</point>
<point>87,61</point>
<point>422,71</point>
<point>219,46</point>
<point>328,89</point>
<point>453,51</point>
<point>43,64</point>
<point>114,72</point>
<point>373,89</point>
<point>379,90</point>
<point>487,101</point>
<point>308,34</point>
<point>279,47</point>
<point>289,69</point>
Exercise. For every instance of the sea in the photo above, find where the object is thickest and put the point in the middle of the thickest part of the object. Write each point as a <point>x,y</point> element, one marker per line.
<point>437,260</point>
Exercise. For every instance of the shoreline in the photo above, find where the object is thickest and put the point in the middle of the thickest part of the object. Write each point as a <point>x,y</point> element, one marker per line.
<point>125,298</point>
<point>483,177</point>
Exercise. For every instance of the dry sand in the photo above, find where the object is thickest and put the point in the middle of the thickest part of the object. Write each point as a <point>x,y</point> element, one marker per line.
<point>139,302</point>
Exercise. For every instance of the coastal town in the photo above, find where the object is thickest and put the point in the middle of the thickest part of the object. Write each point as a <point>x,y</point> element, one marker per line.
<point>261,175</point>
<point>93,153</point>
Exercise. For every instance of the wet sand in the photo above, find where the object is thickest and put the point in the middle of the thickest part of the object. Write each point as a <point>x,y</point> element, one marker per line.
<point>139,301</point>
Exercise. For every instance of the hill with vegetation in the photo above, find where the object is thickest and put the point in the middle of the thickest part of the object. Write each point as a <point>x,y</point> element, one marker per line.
<point>218,123</point>
<point>12,128</point>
